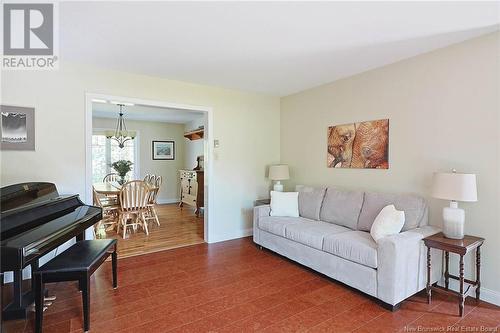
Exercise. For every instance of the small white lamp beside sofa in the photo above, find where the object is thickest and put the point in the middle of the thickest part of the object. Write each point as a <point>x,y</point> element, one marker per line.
<point>455,187</point>
<point>277,173</point>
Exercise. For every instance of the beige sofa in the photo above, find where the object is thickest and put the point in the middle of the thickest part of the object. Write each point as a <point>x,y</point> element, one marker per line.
<point>332,236</point>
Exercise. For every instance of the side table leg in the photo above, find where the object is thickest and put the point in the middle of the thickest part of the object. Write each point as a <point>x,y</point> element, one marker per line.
<point>462,296</point>
<point>446,271</point>
<point>478,272</point>
<point>429,292</point>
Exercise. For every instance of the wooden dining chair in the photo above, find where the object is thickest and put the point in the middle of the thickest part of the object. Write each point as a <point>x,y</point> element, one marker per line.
<point>152,200</point>
<point>133,206</point>
<point>147,178</point>
<point>109,214</point>
<point>111,177</point>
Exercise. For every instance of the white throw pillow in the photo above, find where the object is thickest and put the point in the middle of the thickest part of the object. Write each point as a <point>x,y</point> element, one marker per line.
<point>388,222</point>
<point>285,204</point>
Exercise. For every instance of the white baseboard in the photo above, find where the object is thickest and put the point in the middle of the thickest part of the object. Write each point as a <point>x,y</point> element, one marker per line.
<point>487,295</point>
<point>228,236</point>
<point>490,296</point>
<point>168,201</point>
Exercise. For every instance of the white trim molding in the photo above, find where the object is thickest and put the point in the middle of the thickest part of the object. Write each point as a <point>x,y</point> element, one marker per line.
<point>490,296</point>
<point>162,201</point>
<point>231,236</point>
<point>487,295</point>
<point>209,188</point>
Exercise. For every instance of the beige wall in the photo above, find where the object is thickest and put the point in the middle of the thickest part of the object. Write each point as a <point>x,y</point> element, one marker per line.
<point>244,123</point>
<point>444,113</point>
<point>147,132</point>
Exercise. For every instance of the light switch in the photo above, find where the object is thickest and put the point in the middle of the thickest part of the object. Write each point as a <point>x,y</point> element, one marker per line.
<point>216,143</point>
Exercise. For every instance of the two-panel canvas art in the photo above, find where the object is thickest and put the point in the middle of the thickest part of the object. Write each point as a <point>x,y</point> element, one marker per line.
<point>359,145</point>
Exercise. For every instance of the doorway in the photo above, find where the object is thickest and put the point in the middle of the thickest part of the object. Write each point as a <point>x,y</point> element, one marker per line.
<point>163,145</point>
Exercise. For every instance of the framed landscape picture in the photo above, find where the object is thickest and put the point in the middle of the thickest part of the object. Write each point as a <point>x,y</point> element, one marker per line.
<point>163,150</point>
<point>17,128</point>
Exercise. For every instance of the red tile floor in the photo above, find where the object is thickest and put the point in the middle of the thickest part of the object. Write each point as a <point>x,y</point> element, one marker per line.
<point>234,287</point>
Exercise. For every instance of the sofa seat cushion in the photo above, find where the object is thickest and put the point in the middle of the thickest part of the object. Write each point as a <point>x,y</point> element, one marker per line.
<point>312,233</point>
<point>277,224</point>
<point>356,246</point>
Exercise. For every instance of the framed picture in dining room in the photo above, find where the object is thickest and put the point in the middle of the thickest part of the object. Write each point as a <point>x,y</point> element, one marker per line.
<point>163,150</point>
<point>17,128</point>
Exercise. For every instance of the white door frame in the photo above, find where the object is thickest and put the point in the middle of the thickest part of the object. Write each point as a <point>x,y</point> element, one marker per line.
<point>208,149</point>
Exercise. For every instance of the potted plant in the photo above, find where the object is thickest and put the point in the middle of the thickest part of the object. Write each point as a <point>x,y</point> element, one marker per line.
<point>122,167</point>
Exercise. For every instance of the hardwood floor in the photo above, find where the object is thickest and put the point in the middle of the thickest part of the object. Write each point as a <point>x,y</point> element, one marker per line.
<point>234,287</point>
<point>177,228</point>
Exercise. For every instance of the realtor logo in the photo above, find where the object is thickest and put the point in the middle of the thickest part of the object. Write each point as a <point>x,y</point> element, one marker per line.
<point>28,29</point>
<point>29,36</point>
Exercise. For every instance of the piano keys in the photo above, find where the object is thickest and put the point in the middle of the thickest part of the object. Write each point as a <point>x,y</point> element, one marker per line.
<point>35,220</point>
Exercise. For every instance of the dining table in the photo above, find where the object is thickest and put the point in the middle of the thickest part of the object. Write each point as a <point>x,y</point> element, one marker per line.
<point>112,189</point>
<point>107,188</point>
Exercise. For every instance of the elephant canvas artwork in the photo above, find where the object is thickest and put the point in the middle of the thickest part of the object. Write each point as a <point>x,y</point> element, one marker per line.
<point>359,145</point>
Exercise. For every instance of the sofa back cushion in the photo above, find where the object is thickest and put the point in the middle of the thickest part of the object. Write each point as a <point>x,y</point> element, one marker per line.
<point>342,207</point>
<point>415,209</point>
<point>310,200</point>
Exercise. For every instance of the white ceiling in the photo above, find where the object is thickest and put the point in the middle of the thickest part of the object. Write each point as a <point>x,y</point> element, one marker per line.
<point>272,47</point>
<point>145,113</point>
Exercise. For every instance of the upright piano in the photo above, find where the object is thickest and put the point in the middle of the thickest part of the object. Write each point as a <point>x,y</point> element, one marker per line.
<point>34,220</point>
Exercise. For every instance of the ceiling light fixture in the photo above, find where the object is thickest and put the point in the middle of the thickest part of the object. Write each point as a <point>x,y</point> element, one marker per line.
<point>121,135</point>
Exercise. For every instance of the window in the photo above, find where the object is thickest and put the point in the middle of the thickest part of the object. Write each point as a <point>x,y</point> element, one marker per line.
<point>106,151</point>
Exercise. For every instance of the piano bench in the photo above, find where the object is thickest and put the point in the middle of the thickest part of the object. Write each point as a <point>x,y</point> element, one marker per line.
<point>77,263</point>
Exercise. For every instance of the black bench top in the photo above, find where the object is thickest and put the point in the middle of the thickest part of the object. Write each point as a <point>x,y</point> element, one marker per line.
<point>79,257</point>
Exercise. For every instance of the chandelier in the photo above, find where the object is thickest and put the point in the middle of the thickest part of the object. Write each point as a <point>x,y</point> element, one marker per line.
<point>121,135</point>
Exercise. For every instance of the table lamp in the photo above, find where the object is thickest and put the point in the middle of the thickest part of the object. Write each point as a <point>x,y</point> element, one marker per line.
<point>454,187</point>
<point>278,173</point>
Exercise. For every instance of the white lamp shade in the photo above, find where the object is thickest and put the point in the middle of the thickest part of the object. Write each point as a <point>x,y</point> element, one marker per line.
<point>279,172</point>
<point>454,186</point>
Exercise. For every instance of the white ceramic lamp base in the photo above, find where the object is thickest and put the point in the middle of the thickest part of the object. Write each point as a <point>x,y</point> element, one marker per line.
<point>278,187</point>
<point>453,221</point>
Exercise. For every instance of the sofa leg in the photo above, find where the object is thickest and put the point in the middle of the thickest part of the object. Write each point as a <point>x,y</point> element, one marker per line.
<point>395,307</point>
<point>390,307</point>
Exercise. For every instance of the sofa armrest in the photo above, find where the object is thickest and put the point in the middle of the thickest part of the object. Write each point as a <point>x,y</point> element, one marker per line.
<point>402,264</point>
<point>258,212</point>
